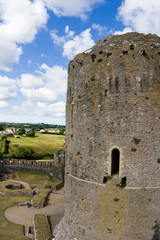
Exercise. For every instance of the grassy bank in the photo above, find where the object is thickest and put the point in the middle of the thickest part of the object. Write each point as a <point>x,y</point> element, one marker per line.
<point>34,179</point>
<point>42,144</point>
<point>42,227</point>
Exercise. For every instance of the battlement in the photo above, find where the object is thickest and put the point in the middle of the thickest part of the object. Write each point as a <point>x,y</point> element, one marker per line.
<point>55,167</point>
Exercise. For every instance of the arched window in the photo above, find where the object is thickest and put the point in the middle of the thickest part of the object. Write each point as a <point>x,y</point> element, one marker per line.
<point>115,161</point>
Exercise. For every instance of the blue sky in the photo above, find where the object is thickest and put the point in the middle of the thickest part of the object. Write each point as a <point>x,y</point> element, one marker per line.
<point>40,37</point>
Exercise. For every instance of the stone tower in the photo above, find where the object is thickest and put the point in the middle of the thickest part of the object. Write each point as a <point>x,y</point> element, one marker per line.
<point>112,186</point>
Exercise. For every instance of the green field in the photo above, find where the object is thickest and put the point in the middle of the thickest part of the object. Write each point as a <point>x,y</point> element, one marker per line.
<point>42,144</point>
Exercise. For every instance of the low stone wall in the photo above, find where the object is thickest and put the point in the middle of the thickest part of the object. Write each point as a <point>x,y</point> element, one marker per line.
<point>53,168</point>
<point>42,203</point>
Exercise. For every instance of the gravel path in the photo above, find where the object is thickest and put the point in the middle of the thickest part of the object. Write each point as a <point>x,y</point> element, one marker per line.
<point>24,216</point>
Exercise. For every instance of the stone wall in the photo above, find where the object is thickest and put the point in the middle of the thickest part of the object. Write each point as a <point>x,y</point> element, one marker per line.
<point>53,168</point>
<point>113,102</point>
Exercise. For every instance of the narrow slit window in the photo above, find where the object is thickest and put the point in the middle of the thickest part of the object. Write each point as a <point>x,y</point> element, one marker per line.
<point>115,161</point>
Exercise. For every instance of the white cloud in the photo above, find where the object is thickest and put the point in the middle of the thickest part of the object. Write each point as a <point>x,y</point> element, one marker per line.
<point>47,87</point>
<point>78,44</point>
<point>56,39</point>
<point>55,77</point>
<point>8,82</point>
<point>30,81</point>
<point>6,94</point>
<point>40,94</point>
<point>72,44</point>
<point>141,16</point>
<point>8,88</point>
<point>4,104</point>
<point>29,108</point>
<point>102,30</point>
<point>125,30</point>
<point>70,8</point>
<point>20,22</point>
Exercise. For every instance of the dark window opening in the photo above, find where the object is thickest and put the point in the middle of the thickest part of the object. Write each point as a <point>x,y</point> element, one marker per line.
<point>131,47</point>
<point>143,52</point>
<point>80,62</point>
<point>125,52</point>
<point>109,54</point>
<point>93,56</point>
<point>100,52</point>
<point>104,179</point>
<point>158,53</point>
<point>123,181</point>
<point>115,161</point>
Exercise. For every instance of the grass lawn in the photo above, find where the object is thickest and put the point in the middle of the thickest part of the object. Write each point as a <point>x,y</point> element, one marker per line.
<point>38,198</point>
<point>34,179</point>
<point>42,227</point>
<point>41,143</point>
<point>3,188</point>
<point>10,230</point>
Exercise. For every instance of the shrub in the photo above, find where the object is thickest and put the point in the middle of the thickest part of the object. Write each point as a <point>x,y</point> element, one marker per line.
<point>21,131</point>
<point>30,133</point>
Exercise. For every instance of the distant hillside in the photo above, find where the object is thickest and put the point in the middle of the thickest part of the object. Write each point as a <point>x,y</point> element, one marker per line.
<point>36,126</point>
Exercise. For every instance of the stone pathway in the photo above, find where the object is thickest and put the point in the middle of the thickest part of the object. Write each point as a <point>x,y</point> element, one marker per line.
<point>24,216</point>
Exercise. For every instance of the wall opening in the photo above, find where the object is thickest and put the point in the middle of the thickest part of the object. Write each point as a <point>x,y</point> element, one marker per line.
<point>104,179</point>
<point>115,161</point>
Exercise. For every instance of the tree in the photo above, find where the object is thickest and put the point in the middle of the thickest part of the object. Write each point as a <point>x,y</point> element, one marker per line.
<point>62,131</point>
<point>21,131</point>
<point>22,152</point>
<point>30,133</point>
<point>1,128</point>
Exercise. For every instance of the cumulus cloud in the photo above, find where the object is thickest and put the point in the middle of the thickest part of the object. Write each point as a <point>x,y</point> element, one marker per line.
<point>73,44</point>
<point>8,82</point>
<point>6,94</point>
<point>49,84</point>
<point>4,104</point>
<point>55,78</point>
<point>141,16</point>
<point>56,39</point>
<point>70,8</point>
<point>8,90</point>
<point>29,108</point>
<point>102,30</point>
<point>20,22</point>
<point>30,81</point>
<point>125,30</point>
<point>41,93</point>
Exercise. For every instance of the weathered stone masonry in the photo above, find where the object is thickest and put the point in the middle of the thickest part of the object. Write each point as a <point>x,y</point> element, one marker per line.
<point>113,129</point>
<point>54,168</point>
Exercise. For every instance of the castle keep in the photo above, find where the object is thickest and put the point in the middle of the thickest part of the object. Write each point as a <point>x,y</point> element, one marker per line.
<point>112,186</point>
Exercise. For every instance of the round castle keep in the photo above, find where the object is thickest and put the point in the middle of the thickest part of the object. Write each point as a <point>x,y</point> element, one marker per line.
<point>112,188</point>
